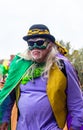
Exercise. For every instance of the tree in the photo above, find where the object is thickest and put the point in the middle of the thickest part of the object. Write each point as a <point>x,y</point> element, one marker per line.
<point>76,58</point>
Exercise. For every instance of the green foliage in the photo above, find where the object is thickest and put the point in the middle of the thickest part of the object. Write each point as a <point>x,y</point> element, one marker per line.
<point>76,58</point>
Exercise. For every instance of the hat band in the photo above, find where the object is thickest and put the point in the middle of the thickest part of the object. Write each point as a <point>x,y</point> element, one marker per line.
<point>38,31</point>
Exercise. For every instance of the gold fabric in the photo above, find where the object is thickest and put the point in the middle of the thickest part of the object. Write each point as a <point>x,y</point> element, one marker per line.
<point>56,88</point>
<point>38,31</point>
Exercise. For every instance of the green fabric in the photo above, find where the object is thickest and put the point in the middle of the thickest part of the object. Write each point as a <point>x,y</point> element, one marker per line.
<point>36,73</point>
<point>17,70</point>
<point>3,71</point>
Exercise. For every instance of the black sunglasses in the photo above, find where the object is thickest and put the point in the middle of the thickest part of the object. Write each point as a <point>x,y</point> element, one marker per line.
<point>38,43</point>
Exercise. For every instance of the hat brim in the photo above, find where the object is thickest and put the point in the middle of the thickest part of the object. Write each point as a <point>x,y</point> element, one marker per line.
<point>50,37</point>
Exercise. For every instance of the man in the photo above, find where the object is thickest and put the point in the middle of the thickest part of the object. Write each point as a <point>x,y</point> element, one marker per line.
<point>45,86</point>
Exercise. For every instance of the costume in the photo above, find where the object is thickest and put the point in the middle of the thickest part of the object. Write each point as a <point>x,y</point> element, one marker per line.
<point>43,101</point>
<point>29,90</point>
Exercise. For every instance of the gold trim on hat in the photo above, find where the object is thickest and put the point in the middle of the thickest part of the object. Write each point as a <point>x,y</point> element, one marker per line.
<point>38,31</point>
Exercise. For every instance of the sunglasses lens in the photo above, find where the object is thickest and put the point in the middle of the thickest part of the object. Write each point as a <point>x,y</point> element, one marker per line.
<point>31,43</point>
<point>40,42</point>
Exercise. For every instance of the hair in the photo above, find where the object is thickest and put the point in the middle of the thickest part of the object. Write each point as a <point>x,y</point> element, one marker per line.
<point>50,60</point>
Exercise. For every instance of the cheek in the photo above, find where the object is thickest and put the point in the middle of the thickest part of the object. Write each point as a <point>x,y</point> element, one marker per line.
<point>45,53</point>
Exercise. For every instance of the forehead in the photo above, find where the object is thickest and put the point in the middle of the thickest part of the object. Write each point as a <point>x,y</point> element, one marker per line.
<point>36,39</point>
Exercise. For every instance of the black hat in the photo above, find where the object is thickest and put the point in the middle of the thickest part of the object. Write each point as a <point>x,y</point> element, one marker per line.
<point>39,30</point>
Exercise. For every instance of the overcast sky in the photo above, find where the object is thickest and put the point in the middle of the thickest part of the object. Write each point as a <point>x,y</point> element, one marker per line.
<point>64,18</point>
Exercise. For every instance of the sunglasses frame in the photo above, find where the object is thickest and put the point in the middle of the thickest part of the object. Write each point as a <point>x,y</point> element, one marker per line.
<point>38,45</point>
<point>38,42</point>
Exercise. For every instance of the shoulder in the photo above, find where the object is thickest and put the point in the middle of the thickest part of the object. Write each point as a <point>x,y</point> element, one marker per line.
<point>61,63</point>
<point>68,69</point>
<point>65,64</point>
<point>65,60</point>
<point>16,60</point>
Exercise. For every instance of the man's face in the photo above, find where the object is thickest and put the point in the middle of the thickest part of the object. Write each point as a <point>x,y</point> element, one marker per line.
<point>39,48</point>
